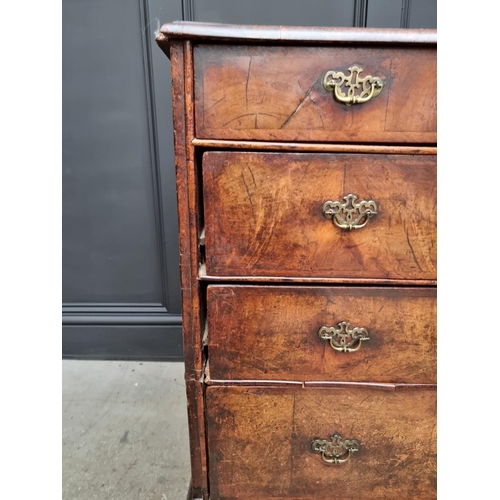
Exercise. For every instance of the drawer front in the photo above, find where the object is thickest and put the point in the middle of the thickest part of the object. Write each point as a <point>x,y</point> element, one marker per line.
<point>277,94</point>
<point>272,333</point>
<point>260,443</point>
<point>264,215</point>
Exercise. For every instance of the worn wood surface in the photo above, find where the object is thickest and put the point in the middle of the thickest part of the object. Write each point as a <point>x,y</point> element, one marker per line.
<point>194,312</point>
<point>313,383</point>
<point>289,34</point>
<point>259,443</point>
<point>314,147</point>
<point>187,199</point>
<point>270,332</point>
<point>203,276</point>
<point>192,357</point>
<point>197,442</point>
<point>263,215</point>
<point>271,385</point>
<point>276,94</point>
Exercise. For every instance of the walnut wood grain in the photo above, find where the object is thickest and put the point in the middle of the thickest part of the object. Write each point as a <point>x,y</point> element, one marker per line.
<point>259,443</point>
<point>193,205</point>
<point>192,356</point>
<point>314,383</point>
<point>197,442</point>
<point>263,215</point>
<point>276,94</point>
<point>203,276</point>
<point>257,401</point>
<point>314,147</point>
<point>187,193</point>
<point>270,332</point>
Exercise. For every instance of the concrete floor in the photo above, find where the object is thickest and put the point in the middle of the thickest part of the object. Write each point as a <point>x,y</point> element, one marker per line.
<point>124,431</point>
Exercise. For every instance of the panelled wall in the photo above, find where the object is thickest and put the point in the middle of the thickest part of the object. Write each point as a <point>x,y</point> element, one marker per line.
<point>121,295</point>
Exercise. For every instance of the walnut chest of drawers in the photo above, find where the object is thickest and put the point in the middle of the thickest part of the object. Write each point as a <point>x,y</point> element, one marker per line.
<point>306,178</point>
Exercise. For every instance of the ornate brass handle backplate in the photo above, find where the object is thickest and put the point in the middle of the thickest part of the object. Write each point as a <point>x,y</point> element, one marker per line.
<point>359,90</point>
<point>342,337</point>
<point>335,451</point>
<point>350,214</point>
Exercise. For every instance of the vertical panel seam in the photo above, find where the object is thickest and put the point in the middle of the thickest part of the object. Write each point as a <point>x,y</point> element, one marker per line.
<point>153,146</point>
<point>405,13</point>
<point>187,10</point>
<point>360,13</point>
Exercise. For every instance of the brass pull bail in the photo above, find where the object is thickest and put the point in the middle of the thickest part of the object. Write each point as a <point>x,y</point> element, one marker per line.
<point>359,90</point>
<point>336,450</point>
<point>350,214</point>
<point>342,337</point>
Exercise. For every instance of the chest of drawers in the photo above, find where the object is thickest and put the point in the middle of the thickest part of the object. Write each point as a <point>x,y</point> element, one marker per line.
<point>306,179</point>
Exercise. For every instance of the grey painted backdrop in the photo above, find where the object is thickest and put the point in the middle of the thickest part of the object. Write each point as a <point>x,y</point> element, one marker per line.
<point>121,292</point>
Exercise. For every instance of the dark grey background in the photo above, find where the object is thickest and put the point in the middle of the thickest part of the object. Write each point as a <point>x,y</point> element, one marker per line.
<point>121,292</point>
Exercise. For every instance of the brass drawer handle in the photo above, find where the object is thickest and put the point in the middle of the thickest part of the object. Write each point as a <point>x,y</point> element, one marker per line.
<point>367,87</point>
<point>350,214</point>
<point>335,451</point>
<point>342,337</point>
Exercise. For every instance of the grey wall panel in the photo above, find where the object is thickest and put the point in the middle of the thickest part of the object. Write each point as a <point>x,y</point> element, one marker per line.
<point>276,12</point>
<point>423,14</point>
<point>160,12</point>
<point>402,14</point>
<point>384,13</point>
<point>110,248</point>
<point>121,289</point>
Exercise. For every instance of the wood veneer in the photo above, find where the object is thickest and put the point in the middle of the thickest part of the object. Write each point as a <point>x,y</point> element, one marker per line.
<point>270,333</point>
<point>262,269</point>
<point>263,215</point>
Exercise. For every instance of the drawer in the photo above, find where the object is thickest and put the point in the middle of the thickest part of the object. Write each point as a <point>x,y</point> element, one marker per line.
<point>260,443</point>
<point>265,215</point>
<point>271,93</point>
<point>272,333</point>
